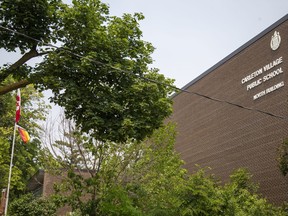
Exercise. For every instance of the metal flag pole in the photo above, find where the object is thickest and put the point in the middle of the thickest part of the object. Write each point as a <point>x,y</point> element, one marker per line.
<point>10,170</point>
<point>17,118</point>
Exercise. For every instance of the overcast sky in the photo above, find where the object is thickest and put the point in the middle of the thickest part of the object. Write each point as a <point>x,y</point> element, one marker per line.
<point>191,36</point>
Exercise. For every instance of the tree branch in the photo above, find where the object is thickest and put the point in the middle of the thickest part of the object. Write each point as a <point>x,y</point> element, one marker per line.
<point>14,86</point>
<point>26,57</point>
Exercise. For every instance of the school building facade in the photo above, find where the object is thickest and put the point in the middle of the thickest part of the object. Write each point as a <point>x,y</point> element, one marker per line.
<point>236,113</point>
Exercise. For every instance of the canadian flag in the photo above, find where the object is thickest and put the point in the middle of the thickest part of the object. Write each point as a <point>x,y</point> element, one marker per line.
<point>18,106</point>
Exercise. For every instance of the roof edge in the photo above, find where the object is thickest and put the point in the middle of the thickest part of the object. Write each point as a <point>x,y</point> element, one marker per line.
<point>231,55</point>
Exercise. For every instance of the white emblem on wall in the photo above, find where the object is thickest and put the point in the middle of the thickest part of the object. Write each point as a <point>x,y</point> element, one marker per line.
<point>275,41</point>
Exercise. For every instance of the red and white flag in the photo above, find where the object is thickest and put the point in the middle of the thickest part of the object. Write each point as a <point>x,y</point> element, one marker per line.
<point>18,106</point>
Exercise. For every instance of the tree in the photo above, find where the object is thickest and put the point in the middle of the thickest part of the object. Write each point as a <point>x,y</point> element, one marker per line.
<point>283,157</point>
<point>29,205</point>
<point>204,195</point>
<point>147,178</point>
<point>26,156</point>
<point>155,178</point>
<point>111,174</point>
<point>99,73</point>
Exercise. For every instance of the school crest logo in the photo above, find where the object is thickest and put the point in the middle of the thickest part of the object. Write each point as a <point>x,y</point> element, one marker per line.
<point>275,41</point>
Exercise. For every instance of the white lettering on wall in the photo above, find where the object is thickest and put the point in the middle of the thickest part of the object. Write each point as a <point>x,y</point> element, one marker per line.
<point>272,74</point>
<point>254,84</point>
<point>261,70</point>
<point>252,76</point>
<point>273,64</point>
<point>262,78</point>
<point>268,90</point>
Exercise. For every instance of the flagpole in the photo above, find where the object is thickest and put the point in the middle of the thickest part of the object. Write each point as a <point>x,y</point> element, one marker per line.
<point>17,118</point>
<point>10,170</point>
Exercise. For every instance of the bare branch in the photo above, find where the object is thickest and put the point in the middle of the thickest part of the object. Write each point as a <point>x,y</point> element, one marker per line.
<point>84,159</point>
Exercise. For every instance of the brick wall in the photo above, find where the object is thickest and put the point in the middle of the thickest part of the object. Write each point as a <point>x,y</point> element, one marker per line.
<point>51,179</point>
<point>226,137</point>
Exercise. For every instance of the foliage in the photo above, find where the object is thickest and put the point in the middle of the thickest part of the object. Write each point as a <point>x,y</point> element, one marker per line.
<point>156,178</point>
<point>29,205</point>
<point>240,197</point>
<point>100,74</point>
<point>147,178</point>
<point>110,173</point>
<point>205,196</point>
<point>201,196</point>
<point>283,157</point>
<point>26,156</point>
<point>30,17</point>
<point>116,201</point>
<point>7,104</point>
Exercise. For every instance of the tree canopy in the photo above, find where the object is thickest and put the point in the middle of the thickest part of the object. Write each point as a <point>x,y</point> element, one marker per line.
<point>99,70</point>
<point>146,178</point>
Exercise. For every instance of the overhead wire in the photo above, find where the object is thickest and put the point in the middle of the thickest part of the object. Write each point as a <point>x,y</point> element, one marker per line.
<point>148,79</point>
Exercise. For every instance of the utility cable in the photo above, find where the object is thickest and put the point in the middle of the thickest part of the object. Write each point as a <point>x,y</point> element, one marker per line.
<point>147,79</point>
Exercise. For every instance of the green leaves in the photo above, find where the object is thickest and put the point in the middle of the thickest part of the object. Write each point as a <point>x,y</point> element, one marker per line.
<point>283,157</point>
<point>204,196</point>
<point>34,18</point>
<point>29,205</point>
<point>115,104</point>
<point>99,74</point>
<point>147,178</point>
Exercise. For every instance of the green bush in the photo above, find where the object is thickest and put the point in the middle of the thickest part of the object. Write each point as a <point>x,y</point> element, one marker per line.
<point>28,205</point>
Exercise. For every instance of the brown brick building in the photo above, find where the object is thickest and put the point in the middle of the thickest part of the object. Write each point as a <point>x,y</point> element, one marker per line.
<point>43,182</point>
<point>42,185</point>
<point>224,136</point>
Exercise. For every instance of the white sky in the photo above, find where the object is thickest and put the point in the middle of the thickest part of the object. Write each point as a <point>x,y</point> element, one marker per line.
<point>191,36</point>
